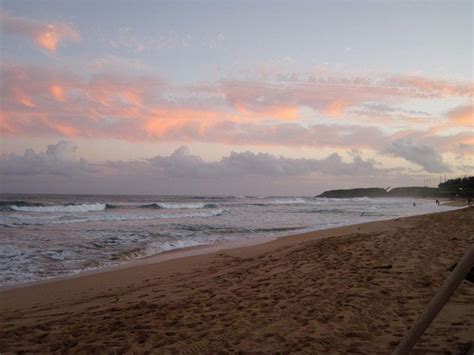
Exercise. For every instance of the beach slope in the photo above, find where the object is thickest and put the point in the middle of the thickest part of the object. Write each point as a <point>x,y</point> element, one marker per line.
<point>349,289</point>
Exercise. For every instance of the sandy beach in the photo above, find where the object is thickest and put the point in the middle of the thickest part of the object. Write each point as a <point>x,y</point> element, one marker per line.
<point>351,289</point>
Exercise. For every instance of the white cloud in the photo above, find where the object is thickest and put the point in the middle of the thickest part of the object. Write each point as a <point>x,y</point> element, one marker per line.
<point>182,163</point>
<point>59,159</point>
<point>58,169</point>
<point>421,154</point>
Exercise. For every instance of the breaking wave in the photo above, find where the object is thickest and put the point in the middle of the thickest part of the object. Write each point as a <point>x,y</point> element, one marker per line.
<point>180,205</point>
<point>13,221</point>
<point>87,207</point>
<point>109,206</point>
<point>159,247</point>
<point>7,205</point>
<point>155,248</point>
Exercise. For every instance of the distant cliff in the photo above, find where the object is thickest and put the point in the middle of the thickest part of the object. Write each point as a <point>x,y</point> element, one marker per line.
<point>362,192</point>
<point>461,187</point>
<point>414,191</point>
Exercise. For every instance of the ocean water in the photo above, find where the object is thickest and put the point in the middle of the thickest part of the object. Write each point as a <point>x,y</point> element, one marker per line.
<point>46,236</point>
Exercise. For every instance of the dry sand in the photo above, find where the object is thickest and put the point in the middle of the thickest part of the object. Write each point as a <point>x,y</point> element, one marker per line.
<point>357,291</point>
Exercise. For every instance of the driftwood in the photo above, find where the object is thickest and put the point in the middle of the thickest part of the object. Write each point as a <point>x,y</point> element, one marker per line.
<point>437,303</point>
<point>469,276</point>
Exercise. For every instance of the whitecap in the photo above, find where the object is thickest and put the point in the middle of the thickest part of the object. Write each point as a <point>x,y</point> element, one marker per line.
<point>182,205</point>
<point>92,207</point>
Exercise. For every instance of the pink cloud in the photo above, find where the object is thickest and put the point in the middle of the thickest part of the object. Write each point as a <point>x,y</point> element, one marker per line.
<point>333,94</point>
<point>46,35</point>
<point>40,102</point>
<point>427,87</point>
<point>462,115</point>
<point>113,106</point>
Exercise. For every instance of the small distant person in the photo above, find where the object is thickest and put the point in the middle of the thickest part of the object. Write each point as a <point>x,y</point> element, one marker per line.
<point>414,204</point>
<point>437,202</point>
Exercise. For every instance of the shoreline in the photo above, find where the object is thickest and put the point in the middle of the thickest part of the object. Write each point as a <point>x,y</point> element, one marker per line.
<point>204,249</point>
<point>177,253</point>
<point>210,249</point>
<point>351,288</point>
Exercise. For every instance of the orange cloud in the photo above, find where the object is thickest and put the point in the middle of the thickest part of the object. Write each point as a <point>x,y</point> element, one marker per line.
<point>462,115</point>
<point>114,91</point>
<point>20,97</point>
<point>335,108</point>
<point>289,113</point>
<point>5,126</point>
<point>332,93</point>
<point>285,113</point>
<point>35,103</point>
<point>458,117</point>
<point>58,92</point>
<point>132,98</point>
<point>48,39</point>
<point>46,35</point>
<point>64,130</point>
<point>161,121</point>
<point>467,140</point>
<point>26,101</point>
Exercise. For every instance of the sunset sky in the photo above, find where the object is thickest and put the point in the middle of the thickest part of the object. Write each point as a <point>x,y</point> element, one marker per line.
<point>234,97</point>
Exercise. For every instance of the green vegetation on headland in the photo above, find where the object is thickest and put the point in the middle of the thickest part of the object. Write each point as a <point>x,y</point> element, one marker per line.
<point>461,187</point>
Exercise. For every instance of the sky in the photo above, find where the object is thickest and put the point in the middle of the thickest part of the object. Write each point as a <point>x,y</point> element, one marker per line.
<point>234,97</point>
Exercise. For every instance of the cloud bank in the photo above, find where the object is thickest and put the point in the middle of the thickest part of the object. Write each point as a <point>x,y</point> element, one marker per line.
<point>183,163</point>
<point>58,159</point>
<point>58,169</point>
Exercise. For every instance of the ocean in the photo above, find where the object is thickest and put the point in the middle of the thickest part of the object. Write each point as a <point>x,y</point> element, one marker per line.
<point>47,236</point>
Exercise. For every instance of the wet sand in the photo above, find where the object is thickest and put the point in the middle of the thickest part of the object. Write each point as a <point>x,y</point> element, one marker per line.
<point>350,289</point>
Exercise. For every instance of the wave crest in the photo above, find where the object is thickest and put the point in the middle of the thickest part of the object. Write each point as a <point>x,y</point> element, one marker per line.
<point>87,207</point>
<point>24,220</point>
<point>7,205</point>
<point>180,205</point>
